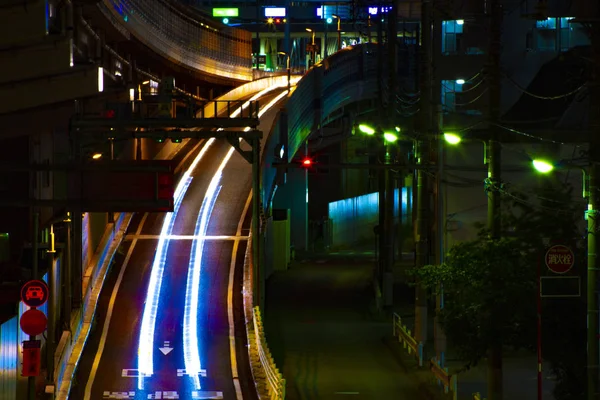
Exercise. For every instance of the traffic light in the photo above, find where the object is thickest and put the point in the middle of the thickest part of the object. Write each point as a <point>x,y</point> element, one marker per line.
<point>176,140</point>
<point>109,114</point>
<point>307,162</point>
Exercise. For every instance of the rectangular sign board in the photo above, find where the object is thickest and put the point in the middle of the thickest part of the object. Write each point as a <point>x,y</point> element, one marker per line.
<point>124,186</point>
<point>225,12</point>
<point>560,286</point>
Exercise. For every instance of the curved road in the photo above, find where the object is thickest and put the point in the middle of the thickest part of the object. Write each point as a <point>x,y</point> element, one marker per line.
<point>188,351</point>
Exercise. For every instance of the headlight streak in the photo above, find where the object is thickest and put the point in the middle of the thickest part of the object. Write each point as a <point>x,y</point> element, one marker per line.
<point>191,350</point>
<point>146,337</point>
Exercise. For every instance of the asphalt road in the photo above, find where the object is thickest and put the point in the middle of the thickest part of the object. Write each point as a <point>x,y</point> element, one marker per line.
<point>325,339</point>
<point>109,366</point>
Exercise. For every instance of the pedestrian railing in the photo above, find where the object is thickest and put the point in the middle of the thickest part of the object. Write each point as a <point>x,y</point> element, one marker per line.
<point>477,396</point>
<point>408,341</point>
<point>275,381</point>
<point>444,378</point>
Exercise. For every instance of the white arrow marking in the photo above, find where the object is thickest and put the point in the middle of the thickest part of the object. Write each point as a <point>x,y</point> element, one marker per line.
<point>118,395</point>
<point>166,349</point>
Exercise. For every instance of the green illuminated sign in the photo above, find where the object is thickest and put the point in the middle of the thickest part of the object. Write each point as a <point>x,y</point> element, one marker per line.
<point>225,12</point>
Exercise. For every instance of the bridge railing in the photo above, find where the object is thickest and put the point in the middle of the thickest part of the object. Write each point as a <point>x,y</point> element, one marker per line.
<point>275,380</point>
<point>202,45</point>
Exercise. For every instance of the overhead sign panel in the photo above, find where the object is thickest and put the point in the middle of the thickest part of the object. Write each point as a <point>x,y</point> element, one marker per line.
<point>125,186</point>
<point>274,12</point>
<point>225,12</point>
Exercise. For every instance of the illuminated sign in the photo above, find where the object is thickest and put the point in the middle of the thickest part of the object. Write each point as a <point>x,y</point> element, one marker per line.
<point>373,10</point>
<point>274,11</point>
<point>225,12</point>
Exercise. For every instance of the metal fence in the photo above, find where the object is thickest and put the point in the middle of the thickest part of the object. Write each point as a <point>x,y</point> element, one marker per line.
<point>194,42</point>
<point>275,381</point>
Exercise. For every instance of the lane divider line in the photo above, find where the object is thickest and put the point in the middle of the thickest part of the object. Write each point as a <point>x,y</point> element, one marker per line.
<point>232,347</point>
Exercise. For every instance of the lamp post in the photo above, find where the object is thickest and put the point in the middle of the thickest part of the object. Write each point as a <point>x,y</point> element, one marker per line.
<point>386,214</point>
<point>590,191</point>
<point>339,31</point>
<point>289,73</point>
<point>312,46</point>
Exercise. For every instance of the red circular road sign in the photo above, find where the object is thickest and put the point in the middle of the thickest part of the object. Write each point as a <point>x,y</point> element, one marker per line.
<point>33,322</point>
<point>34,293</point>
<point>559,259</point>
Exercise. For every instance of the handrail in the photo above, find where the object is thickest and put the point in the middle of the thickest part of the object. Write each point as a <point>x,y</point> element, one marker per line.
<point>275,380</point>
<point>444,378</point>
<point>408,341</point>
<point>477,396</point>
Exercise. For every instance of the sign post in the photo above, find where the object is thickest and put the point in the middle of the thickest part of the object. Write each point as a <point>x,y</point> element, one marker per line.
<point>33,322</point>
<point>559,259</point>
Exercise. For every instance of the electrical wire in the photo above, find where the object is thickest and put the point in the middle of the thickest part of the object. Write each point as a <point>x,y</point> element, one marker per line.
<point>471,101</point>
<point>561,96</point>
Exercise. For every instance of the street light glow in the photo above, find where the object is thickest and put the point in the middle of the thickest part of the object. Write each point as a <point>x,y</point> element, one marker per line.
<point>97,156</point>
<point>390,137</point>
<point>542,166</point>
<point>460,81</point>
<point>452,138</point>
<point>366,129</point>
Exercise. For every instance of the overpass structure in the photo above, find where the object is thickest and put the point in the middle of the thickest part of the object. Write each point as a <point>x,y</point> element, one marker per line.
<point>106,49</point>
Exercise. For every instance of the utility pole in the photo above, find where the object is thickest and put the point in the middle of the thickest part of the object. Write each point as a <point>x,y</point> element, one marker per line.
<point>381,155</point>
<point>422,158</point>
<point>493,181</point>
<point>592,214</point>
<point>388,256</point>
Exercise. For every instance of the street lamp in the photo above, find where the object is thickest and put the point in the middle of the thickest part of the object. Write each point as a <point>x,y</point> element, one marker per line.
<point>590,191</point>
<point>339,30</point>
<point>312,46</point>
<point>287,63</point>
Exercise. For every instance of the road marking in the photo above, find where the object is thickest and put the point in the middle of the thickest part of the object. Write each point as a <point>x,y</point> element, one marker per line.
<point>186,237</point>
<point>168,395</point>
<point>347,393</point>
<point>232,351</point>
<point>166,349</point>
<point>182,372</point>
<point>206,395</point>
<point>118,395</point>
<point>109,311</point>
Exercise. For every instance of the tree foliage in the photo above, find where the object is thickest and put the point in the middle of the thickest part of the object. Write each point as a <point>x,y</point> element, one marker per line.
<point>489,292</point>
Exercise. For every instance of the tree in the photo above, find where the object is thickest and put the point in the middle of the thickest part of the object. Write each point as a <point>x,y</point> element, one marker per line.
<point>489,294</point>
<point>552,214</point>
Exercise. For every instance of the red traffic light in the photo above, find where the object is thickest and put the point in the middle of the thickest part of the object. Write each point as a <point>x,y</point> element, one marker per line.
<point>307,162</point>
<point>109,114</point>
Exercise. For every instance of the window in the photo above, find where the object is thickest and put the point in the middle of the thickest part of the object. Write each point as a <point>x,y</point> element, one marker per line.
<point>451,35</point>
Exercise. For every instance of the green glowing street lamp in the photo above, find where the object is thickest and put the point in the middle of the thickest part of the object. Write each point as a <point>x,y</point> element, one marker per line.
<point>390,137</point>
<point>542,166</point>
<point>452,138</point>
<point>366,129</point>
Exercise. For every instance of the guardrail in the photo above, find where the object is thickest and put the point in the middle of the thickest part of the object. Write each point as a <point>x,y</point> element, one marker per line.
<point>275,381</point>
<point>477,396</point>
<point>408,342</point>
<point>448,381</point>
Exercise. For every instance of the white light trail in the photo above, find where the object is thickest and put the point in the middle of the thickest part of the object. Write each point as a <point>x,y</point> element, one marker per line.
<point>146,337</point>
<point>191,351</point>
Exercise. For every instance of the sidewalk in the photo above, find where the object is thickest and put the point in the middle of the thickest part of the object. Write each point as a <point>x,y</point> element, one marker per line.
<point>520,368</point>
<point>326,338</point>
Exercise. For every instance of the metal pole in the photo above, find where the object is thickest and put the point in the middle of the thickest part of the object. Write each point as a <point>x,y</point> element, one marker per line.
<point>439,335</point>
<point>67,287</point>
<point>540,381</point>
<point>258,268</point>
<point>495,389</point>
<point>289,73</point>
<point>339,33</point>
<point>593,220</point>
<point>422,155</point>
<point>50,331</point>
<point>388,257</point>
<point>31,395</point>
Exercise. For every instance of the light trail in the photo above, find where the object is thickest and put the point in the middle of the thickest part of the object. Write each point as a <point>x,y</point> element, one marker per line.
<point>146,343</point>
<point>191,351</point>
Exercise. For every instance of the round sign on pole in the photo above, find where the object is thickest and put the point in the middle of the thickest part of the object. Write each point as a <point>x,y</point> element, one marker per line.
<point>560,259</point>
<point>33,322</point>
<point>34,293</point>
